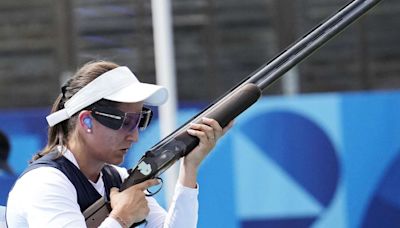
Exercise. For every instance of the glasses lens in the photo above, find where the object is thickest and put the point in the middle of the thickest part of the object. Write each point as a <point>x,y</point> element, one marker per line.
<point>145,120</point>
<point>131,121</point>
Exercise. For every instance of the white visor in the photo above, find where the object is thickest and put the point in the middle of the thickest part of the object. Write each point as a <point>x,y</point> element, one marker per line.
<point>119,85</point>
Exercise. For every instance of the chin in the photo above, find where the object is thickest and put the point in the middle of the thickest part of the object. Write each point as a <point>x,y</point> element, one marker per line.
<point>116,160</point>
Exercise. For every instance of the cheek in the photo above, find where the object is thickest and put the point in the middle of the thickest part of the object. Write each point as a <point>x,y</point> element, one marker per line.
<point>104,136</point>
<point>103,148</point>
<point>107,141</point>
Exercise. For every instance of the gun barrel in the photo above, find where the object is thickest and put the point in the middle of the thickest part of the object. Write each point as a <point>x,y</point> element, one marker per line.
<point>304,47</point>
<point>309,43</point>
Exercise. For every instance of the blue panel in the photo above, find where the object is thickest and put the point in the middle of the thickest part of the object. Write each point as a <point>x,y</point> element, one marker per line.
<point>384,207</point>
<point>6,182</point>
<point>300,147</point>
<point>27,131</point>
<point>275,194</point>
<point>382,213</point>
<point>372,140</point>
<point>23,148</point>
<point>216,198</point>
<point>389,187</point>
<point>279,223</point>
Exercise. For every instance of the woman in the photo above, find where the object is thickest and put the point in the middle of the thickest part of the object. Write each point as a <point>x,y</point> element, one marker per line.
<point>93,123</point>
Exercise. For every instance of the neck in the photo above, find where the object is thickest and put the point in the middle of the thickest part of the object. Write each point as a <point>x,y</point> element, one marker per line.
<point>90,167</point>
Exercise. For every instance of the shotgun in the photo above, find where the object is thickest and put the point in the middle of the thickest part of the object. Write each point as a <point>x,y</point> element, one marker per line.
<point>179,143</point>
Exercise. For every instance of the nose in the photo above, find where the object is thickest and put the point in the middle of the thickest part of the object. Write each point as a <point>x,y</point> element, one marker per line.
<point>133,135</point>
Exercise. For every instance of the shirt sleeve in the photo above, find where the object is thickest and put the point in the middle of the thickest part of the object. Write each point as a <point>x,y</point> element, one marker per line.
<point>110,223</point>
<point>183,212</point>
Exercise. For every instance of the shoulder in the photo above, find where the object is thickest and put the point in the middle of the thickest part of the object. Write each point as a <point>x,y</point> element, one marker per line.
<point>43,197</point>
<point>45,174</point>
<point>42,182</point>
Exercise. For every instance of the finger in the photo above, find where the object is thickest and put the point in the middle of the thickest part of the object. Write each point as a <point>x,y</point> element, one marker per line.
<point>199,134</point>
<point>217,129</point>
<point>209,131</point>
<point>200,126</point>
<point>147,184</point>
<point>227,127</point>
<point>211,122</point>
<point>113,190</point>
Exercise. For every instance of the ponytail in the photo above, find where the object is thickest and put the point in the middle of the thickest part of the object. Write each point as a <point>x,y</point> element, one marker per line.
<point>56,134</point>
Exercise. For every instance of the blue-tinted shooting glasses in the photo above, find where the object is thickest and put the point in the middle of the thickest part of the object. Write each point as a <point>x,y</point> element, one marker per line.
<point>116,119</point>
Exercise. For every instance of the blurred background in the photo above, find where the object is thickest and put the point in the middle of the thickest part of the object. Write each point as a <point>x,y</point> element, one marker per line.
<point>320,149</point>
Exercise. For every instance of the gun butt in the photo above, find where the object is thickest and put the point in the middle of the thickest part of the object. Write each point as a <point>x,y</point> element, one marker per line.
<point>96,213</point>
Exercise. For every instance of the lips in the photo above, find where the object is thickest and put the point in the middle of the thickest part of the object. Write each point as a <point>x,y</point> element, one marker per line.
<point>124,151</point>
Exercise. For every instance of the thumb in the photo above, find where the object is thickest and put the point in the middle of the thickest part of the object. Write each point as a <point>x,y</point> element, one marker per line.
<point>113,190</point>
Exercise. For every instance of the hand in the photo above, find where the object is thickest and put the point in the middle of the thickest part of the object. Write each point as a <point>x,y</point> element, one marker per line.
<point>130,205</point>
<point>208,132</point>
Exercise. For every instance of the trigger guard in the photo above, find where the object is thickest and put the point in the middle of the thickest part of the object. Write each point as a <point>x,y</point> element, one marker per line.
<point>153,193</point>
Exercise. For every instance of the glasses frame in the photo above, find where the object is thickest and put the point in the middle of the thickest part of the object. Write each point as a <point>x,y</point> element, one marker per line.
<point>143,119</point>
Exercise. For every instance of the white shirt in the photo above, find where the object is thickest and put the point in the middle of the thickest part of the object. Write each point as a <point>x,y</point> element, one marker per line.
<point>44,197</point>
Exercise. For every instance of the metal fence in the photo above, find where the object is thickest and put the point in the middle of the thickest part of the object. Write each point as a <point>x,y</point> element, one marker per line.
<point>217,43</point>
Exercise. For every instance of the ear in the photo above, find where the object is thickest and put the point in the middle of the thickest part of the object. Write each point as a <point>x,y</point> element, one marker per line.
<point>86,121</point>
